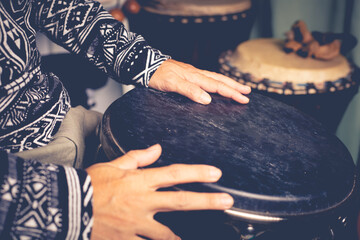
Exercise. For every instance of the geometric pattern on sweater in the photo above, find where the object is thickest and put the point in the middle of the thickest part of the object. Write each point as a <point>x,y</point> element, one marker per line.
<point>37,216</point>
<point>35,205</point>
<point>80,192</point>
<point>16,136</point>
<point>15,42</point>
<point>70,22</point>
<point>124,55</point>
<point>32,108</point>
<point>153,60</point>
<point>81,26</point>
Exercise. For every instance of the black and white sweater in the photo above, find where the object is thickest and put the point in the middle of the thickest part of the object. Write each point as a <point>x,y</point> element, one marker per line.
<point>33,103</point>
<point>47,201</point>
<point>43,201</point>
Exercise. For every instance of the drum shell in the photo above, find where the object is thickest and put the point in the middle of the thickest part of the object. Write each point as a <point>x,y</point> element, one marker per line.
<point>197,40</point>
<point>327,108</point>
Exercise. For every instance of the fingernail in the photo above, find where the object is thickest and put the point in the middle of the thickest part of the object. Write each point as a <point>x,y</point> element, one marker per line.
<point>242,99</point>
<point>227,201</point>
<point>153,148</point>
<point>205,98</point>
<point>215,173</point>
<point>246,100</point>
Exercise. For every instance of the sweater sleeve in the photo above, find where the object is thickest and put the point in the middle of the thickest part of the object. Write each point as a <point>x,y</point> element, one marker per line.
<point>43,201</point>
<point>84,27</point>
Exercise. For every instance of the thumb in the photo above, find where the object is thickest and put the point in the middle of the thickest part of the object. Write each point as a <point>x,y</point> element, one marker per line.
<point>138,158</point>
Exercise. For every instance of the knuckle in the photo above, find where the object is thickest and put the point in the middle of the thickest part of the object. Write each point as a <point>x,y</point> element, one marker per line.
<point>182,200</point>
<point>181,86</point>
<point>212,201</point>
<point>206,72</point>
<point>165,234</point>
<point>202,77</point>
<point>131,154</point>
<point>203,173</point>
<point>191,89</point>
<point>194,91</point>
<point>221,85</point>
<point>175,171</point>
<point>170,85</point>
<point>199,74</point>
<point>186,65</point>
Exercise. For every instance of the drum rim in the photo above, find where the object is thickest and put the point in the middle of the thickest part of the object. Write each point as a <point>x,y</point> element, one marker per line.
<point>107,138</point>
<point>269,218</point>
<point>200,19</point>
<point>233,72</point>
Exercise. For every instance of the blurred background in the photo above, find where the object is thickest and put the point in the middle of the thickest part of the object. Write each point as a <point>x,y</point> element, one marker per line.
<point>265,18</point>
<point>325,16</point>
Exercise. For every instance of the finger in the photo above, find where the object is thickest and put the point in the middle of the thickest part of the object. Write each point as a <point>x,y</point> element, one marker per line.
<point>211,85</point>
<point>137,238</point>
<point>220,77</point>
<point>138,158</point>
<point>106,235</point>
<point>188,201</point>
<point>113,232</point>
<point>180,173</point>
<point>228,81</point>
<point>192,91</point>
<point>155,230</point>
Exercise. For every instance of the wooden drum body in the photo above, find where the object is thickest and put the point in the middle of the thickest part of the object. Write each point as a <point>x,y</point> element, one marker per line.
<point>196,33</point>
<point>287,174</point>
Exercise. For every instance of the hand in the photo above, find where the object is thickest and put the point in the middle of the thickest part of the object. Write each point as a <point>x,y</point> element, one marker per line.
<point>125,198</point>
<point>174,76</point>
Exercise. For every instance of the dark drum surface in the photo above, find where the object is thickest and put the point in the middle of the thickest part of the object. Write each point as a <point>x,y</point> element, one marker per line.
<point>275,160</point>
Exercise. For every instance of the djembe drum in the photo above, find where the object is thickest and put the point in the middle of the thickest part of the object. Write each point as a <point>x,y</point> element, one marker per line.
<point>290,178</point>
<point>322,89</point>
<point>195,32</point>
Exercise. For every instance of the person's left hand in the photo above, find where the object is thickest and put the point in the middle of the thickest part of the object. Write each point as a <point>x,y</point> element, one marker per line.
<point>182,78</point>
<point>126,197</point>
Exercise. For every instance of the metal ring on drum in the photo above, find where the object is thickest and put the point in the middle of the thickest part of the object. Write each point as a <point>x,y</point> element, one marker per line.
<point>290,178</point>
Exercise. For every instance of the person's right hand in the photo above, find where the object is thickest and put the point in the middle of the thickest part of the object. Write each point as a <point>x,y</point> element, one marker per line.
<point>125,197</point>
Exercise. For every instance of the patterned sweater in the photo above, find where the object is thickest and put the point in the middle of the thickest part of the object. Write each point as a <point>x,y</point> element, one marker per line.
<point>47,201</point>
<point>43,201</point>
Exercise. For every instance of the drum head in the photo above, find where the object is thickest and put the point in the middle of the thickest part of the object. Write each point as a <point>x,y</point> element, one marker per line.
<point>275,160</point>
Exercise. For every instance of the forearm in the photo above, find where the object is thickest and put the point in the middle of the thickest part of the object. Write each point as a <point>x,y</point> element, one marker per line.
<point>85,28</point>
<point>126,56</point>
<point>43,201</point>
